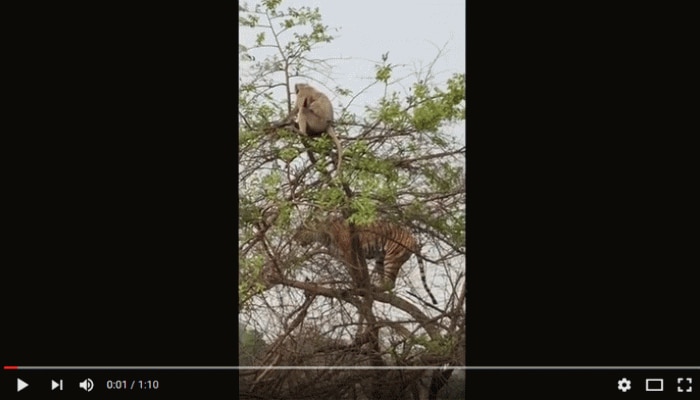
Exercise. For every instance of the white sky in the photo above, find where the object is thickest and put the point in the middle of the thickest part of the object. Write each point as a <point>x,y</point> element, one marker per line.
<point>408,30</point>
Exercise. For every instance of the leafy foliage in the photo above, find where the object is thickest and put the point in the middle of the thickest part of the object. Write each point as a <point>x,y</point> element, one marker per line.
<point>251,346</point>
<point>400,161</point>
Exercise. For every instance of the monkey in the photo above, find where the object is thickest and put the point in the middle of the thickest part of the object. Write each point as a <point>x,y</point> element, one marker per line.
<point>314,110</point>
<point>314,116</point>
<point>312,113</point>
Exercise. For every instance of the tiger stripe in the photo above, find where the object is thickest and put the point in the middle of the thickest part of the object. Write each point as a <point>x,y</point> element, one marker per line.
<point>389,244</point>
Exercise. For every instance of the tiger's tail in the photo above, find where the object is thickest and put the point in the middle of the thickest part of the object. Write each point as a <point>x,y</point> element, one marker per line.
<point>421,267</point>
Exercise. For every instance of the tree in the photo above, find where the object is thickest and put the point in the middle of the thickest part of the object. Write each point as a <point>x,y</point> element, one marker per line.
<point>399,163</point>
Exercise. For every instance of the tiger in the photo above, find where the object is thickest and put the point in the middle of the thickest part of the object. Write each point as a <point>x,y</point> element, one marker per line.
<point>389,244</point>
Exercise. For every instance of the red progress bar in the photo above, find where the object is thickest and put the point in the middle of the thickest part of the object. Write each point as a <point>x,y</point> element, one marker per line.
<point>10,367</point>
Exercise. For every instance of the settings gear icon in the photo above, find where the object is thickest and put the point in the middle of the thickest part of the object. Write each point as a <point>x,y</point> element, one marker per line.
<point>624,385</point>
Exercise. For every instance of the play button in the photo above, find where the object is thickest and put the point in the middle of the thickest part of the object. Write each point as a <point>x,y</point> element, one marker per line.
<point>21,385</point>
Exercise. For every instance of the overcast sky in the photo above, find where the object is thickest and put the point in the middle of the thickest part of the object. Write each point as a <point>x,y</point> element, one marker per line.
<point>408,30</point>
<point>411,31</point>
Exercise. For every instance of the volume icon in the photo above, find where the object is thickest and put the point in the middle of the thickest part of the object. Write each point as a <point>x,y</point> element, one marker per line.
<point>86,385</point>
